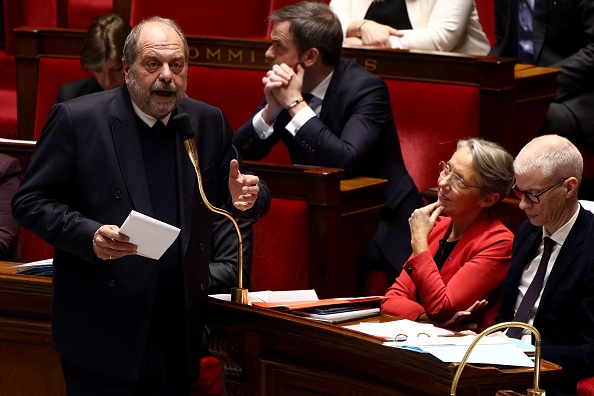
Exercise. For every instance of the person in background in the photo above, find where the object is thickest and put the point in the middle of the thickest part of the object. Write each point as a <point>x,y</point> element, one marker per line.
<point>102,55</point>
<point>555,294</point>
<point>10,177</point>
<point>124,324</point>
<point>461,252</point>
<point>558,34</point>
<point>330,111</point>
<point>223,257</point>
<point>430,25</point>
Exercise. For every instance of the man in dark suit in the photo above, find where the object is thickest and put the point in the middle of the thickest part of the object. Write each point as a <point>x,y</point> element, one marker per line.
<point>346,124</point>
<point>548,173</point>
<point>124,324</point>
<point>102,55</point>
<point>558,34</point>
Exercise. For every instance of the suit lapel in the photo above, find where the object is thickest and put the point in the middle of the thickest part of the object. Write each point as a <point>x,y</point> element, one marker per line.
<point>567,255</point>
<point>128,152</point>
<point>330,95</point>
<point>188,185</point>
<point>524,256</point>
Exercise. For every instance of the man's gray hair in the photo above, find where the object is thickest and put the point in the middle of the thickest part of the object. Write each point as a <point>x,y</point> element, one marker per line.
<point>131,44</point>
<point>554,155</point>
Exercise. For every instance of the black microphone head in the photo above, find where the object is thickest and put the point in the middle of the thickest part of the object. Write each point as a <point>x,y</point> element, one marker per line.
<point>183,126</point>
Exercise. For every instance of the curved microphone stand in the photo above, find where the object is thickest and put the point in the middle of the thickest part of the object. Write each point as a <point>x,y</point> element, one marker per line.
<point>531,392</point>
<point>184,129</point>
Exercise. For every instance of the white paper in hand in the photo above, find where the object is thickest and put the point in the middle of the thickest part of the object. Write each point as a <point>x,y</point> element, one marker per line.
<point>152,236</point>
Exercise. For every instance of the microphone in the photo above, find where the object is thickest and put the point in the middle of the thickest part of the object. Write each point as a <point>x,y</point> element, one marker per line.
<point>183,126</point>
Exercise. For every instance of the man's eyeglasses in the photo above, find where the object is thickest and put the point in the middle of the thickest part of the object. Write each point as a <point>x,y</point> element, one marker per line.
<point>457,182</point>
<point>534,198</point>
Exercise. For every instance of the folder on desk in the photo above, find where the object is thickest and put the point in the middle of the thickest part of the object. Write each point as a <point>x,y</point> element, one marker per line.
<point>297,305</point>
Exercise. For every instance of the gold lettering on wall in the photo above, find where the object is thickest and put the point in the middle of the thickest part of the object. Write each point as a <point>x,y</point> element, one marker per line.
<point>216,54</point>
<point>226,56</point>
<point>370,64</point>
<point>194,53</point>
<point>237,56</point>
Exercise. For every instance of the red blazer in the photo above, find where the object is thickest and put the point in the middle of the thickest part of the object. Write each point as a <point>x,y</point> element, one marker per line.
<point>474,270</point>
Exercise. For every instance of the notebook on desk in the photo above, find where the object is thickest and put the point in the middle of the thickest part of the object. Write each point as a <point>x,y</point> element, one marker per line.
<point>353,312</point>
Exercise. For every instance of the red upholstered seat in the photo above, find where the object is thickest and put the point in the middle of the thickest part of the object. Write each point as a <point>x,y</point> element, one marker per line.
<point>585,387</point>
<point>81,13</point>
<point>27,12</point>
<point>52,73</point>
<point>486,12</point>
<point>34,248</point>
<point>8,115</point>
<point>210,382</point>
<point>430,119</point>
<point>237,92</point>
<point>280,247</point>
<point>230,18</point>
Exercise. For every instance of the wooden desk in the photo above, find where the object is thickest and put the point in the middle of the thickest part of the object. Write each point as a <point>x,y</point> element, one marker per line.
<point>264,353</point>
<point>273,353</point>
<point>28,364</point>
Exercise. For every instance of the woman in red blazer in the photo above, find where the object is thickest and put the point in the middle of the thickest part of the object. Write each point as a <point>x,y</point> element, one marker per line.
<point>461,253</point>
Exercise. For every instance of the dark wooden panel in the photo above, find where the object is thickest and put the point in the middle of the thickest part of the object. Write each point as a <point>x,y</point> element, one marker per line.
<point>265,352</point>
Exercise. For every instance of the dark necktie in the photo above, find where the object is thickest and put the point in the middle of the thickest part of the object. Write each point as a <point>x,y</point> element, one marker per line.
<point>533,290</point>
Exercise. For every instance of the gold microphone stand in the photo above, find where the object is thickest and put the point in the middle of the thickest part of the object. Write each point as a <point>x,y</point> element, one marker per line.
<point>238,294</point>
<point>535,391</point>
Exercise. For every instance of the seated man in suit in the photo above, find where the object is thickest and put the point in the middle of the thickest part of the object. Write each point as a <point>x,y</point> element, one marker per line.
<point>557,34</point>
<point>346,124</point>
<point>101,54</point>
<point>10,177</point>
<point>550,283</point>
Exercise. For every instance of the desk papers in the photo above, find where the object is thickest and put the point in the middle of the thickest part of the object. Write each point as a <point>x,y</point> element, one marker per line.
<point>153,237</point>
<point>498,351</point>
<point>426,338</point>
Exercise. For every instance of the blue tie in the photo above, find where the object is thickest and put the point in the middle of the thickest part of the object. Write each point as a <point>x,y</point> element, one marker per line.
<point>525,40</point>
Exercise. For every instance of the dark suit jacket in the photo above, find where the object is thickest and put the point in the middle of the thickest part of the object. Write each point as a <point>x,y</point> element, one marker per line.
<point>223,265</point>
<point>563,32</point>
<point>565,317</point>
<point>10,177</point>
<point>87,170</point>
<point>356,132</point>
<point>74,89</point>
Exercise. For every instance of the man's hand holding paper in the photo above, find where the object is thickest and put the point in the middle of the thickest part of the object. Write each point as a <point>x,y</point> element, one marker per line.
<point>109,244</point>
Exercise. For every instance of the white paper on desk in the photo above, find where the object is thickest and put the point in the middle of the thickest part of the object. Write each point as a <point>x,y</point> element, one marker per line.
<point>275,296</point>
<point>153,237</point>
<point>49,261</point>
<point>389,330</point>
<point>492,351</point>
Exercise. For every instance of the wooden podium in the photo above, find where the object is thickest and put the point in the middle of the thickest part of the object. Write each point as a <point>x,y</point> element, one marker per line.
<point>266,352</point>
<point>28,364</point>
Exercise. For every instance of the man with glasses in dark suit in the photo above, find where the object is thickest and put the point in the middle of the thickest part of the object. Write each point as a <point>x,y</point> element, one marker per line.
<point>550,283</point>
